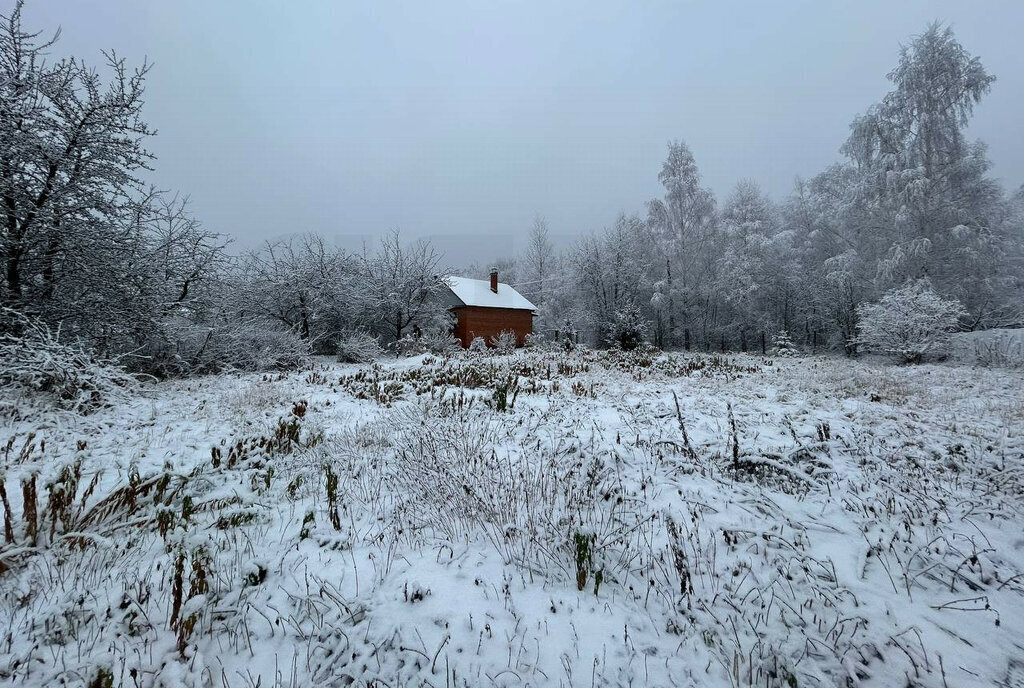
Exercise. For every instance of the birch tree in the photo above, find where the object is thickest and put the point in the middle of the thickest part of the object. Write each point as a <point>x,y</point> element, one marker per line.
<point>683,224</point>
<point>538,260</point>
<point>929,197</point>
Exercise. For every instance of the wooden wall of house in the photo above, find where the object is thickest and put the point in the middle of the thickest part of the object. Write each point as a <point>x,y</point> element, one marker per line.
<point>474,321</point>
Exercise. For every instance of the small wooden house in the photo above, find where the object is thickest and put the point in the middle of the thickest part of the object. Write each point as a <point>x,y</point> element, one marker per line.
<point>485,309</point>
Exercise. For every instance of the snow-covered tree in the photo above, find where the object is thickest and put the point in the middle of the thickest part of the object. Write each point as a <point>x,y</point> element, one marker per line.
<point>405,281</point>
<point>909,322</point>
<point>538,261</point>
<point>783,345</point>
<point>71,154</point>
<point>682,225</point>
<point>85,244</point>
<point>755,266</point>
<point>304,285</point>
<point>627,328</point>
<point>928,198</point>
<point>609,272</point>
<point>832,271</point>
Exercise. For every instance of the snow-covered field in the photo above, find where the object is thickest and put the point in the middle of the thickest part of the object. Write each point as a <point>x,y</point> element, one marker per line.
<point>545,518</point>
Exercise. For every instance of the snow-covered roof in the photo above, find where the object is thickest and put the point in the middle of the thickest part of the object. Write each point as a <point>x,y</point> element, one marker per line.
<point>474,292</point>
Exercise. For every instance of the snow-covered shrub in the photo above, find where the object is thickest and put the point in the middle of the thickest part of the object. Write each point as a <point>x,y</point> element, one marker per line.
<point>538,342</point>
<point>784,345</point>
<point>908,323</point>
<point>263,347</point>
<point>185,348</point>
<point>478,346</point>
<point>627,328</point>
<point>357,346</point>
<point>441,342</point>
<point>410,346</point>
<point>33,359</point>
<point>504,342</point>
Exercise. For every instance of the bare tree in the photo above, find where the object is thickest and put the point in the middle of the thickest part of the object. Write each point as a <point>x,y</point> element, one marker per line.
<point>538,260</point>
<point>70,153</point>
<point>406,284</point>
<point>305,285</point>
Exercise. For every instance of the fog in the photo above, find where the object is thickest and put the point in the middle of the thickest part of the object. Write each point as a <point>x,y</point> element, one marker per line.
<point>461,120</point>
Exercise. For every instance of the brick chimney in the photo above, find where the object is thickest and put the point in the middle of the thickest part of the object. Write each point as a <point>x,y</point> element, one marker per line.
<point>494,280</point>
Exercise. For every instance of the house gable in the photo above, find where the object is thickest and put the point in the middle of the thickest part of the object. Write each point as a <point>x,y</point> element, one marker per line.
<point>474,292</point>
<point>485,309</point>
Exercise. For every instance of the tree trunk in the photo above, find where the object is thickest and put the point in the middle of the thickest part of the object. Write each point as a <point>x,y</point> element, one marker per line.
<point>303,318</point>
<point>13,273</point>
<point>671,303</point>
<point>49,258</point>
<point>12,266</point>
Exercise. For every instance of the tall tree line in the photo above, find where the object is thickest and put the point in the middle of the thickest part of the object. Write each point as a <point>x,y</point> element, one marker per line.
<point>911,201</point>
<point>87,246</point>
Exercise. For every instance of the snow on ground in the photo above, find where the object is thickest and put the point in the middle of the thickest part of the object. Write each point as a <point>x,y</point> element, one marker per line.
<point>546,518</point>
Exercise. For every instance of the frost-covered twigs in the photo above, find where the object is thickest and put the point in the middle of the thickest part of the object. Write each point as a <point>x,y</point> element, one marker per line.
<point>355,346</point>
<point>182,348</point>
<point>33,359</point>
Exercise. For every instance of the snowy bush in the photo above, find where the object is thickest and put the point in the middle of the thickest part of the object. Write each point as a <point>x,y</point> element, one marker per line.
<point>184,348</point>
<point>357,346</point>
<point>33,358</point>
<point>539,342</point>
<point>627,328</point>
<point>478,346</point>
<point>504,342</point>
<point>441,342</point>
<point>908,323</point>
<point>410,346</point>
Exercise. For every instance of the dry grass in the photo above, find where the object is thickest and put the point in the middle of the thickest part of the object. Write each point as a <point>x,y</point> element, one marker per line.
<point>737,537</point>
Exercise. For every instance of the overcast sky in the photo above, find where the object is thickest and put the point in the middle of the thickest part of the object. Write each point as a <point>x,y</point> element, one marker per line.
<point>467,118</point>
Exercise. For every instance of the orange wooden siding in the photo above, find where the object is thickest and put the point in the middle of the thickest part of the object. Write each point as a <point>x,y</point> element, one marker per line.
<point>474,321</point>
